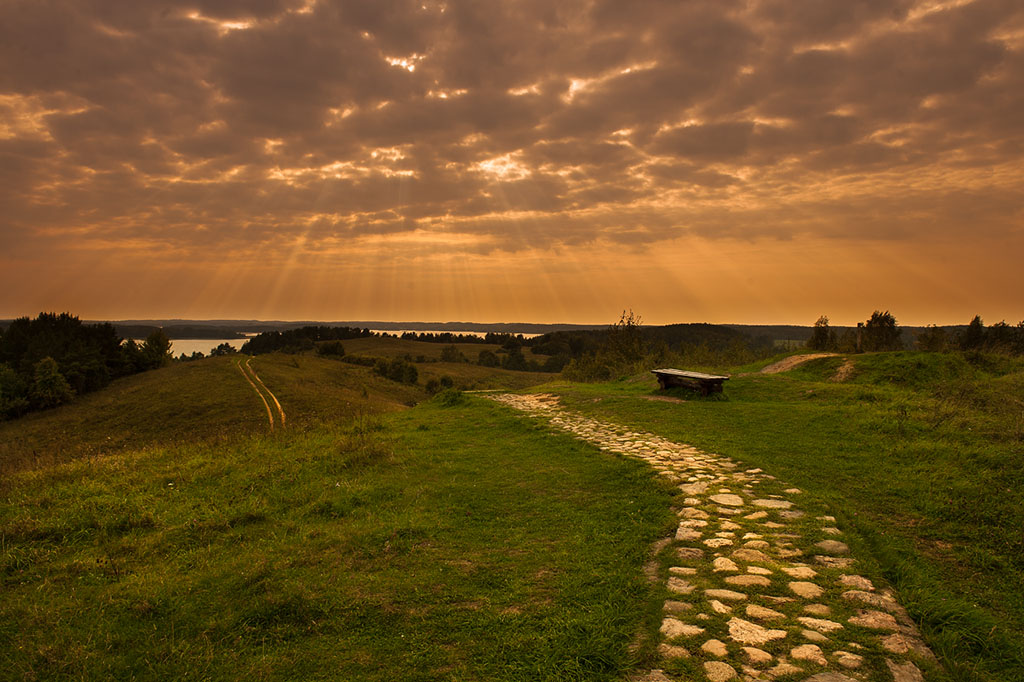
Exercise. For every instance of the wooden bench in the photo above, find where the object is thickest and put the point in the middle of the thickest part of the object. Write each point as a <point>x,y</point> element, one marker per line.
<point>696,381</point>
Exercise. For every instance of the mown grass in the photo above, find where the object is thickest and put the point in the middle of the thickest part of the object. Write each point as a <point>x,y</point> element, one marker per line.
<point>921,456</point>
<point>451,541</point>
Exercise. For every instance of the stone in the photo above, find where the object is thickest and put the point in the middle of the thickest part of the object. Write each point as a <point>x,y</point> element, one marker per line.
<point>876,620</point>
<point>819,624</point>
<point>834,562</point>
<point>833,547</point>
<point>729,525</point>
<point>831,530</point>
<point>682,570</point>
<point>673,627</point>
<point>830,519</point>
<point>745,632</point>
<point>689,553</point>
<point>748,580</point>
<point>722,564</point>
<point>718,671</point>
<point>686,534</point>
<point>830,677</point>
<point>654,676</point>
<point>714,647</point>
<point>719,607</point>
<point>757,656</point>
<point>715,543</point>
<point>848,660</point>
<point>727,500</point>
<point>752,536</point>
<point>698,488</point>
<point>791,514</point>
<point>792,491</point>
<point>806,590</point>
<point>691,513</point>
<point>757,516</point>
<point>693,523</point>
<point>772,504</point>
<point>692,501</point>
<point>750,555</point>
<point>800,572</point>
<point>672,651</point>
<point>817,610</point>
<point>808,652</point>
<point>898,643</point>
<point>904,672</point>
<point>673,606</point>
<point>857,582</point>
<point>762,613</point>
<point>759,570</point>
<point>727,595</point>
<point>756,544</point>
<point>872,599</point>
<point>813,635</point>
<point>783,668</point>
<point>679,586</point>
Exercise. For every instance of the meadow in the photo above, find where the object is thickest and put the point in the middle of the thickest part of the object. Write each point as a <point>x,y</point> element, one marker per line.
<point>159,529</point>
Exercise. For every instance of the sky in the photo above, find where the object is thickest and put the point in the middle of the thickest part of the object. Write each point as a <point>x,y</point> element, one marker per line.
<point>756,161</point>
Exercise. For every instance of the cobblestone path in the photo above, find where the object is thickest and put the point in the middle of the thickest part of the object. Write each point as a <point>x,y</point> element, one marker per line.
<point>760,590</point>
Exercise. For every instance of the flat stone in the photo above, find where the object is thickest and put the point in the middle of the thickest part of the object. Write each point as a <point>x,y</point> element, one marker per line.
<point>727,500</point>
<point>750,555</point>
<point>689,553</point>
<point>719,607</point>
<point>904,672</point>
<point>757,656</point>
<point>715,543</point>
<point>833,547</point>
<point>728,511</point>
<point>762,613</point>
<point>773,525</point>
<point>792,491</point>
<point>784,668</point>
<point>654,676</point>
<point>800,572</point>
<point>848,660</point>
<point>872,599</point>
<point>834,562</point>
<point>756,544</point>
<point>698,488</point>
<point>679,586</point>
<point>808,652</point>
<point>899,643</point>
<point>682,570</point>
<point>772,504</point>
<point>757,516</point>
<point>817,610</point>
<point>722,564</point>
<point>831,530</point>
<point>759,570</point>
<point>691,513</point>
<point>718,671</point>
<point>729,525</point>
<point>714,647</point>
<point>819,624</point>
<point>692,501</point>
<point>727,595</point>
<point>748,580</point>
<point>673,627</point>
<point>876,620</point>
<point>830,677</point>
<point>813,635</point>
<point>693,523</point>
<point>806,590</point>
<point>745,632</point>
<point>673,606</point>
<point>672,651</point>
<point>686,534</point>
<point>857,582</point>
<point>830,519</point>
<point>791,514</point>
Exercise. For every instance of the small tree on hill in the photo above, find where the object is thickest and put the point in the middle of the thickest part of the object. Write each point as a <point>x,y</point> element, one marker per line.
<point>156,351</point>
<point>823,337</point>
<point>50,388</point>
<point>881,333</point>
<point>973,338</point>
<point>932,339</point>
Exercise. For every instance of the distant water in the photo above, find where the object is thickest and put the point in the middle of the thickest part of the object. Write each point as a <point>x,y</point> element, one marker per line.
<point>204,346</point>
<point>478,334</point>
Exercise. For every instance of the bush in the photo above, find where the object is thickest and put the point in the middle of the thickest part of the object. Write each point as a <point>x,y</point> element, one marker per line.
<point>452,354</point>
<point>487,358</point>
<point>50,388</point>
<point>450,397</point>
<point>397,369</point>
<point>331,348</point>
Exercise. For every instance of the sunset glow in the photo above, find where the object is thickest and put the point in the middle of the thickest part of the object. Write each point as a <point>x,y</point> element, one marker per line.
<point>762,162</point>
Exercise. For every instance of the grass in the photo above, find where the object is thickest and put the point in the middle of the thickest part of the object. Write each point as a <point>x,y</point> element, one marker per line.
<point>450,541</point>
<point>921,456</point>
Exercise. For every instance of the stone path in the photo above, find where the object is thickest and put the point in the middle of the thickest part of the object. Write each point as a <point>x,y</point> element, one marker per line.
<point>759,589</point>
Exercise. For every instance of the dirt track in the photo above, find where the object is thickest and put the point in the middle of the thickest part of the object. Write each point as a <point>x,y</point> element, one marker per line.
<point>792,361</point>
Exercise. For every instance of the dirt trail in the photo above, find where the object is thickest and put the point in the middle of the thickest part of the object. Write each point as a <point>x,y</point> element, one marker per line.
<point>792,361</point>
<point>253,381</point>
<point>759,588</point>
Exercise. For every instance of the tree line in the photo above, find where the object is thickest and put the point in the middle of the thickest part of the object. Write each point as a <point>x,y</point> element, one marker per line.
<point>882,333</point>
<point>47,361</point>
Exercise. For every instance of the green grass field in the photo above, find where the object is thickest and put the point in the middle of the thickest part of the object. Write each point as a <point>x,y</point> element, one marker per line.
<point>158,529</point>
<point>919,455</point>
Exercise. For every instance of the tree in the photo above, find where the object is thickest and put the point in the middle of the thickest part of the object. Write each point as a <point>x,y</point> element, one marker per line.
<point>451,353</point>
<point>13,393</point>
<point>624,345</point>
<point>973,338</point>
<point>932,339</point>
<point>823,337</point>
<point>881,333</point>
<point>487,358</point>
<point>227,349</point>
<point>49,388</point>
<point>156,350</point>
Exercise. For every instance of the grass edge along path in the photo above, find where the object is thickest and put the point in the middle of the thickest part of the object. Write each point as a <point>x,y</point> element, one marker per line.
<point>443,542</point>
<point>785,608</point>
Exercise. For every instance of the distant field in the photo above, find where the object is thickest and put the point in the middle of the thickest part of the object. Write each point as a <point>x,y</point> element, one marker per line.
<point>921,455</point>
